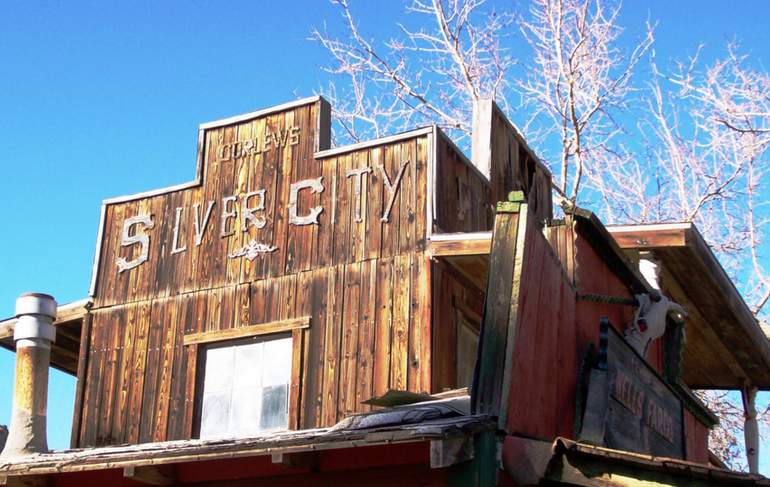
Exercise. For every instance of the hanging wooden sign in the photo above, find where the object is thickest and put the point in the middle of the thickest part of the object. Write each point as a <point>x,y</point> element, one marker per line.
<point>628,406</point>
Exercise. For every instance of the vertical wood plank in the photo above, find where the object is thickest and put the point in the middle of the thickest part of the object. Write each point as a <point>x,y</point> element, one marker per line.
<point>349,353</point>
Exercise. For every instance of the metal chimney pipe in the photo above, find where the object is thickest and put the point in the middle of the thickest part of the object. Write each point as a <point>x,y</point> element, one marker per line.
<point>33,334</point>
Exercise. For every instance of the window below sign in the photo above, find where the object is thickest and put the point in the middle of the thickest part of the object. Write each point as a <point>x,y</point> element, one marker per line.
<point>246,387</point>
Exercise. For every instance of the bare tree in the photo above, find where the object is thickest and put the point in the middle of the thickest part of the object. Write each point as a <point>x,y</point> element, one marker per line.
<point>432,74</point>
<point>710,149</point>
<point>578,82</point>
<point>705,130</point>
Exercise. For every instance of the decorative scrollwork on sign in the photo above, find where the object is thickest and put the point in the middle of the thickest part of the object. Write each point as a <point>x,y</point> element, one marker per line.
<point>252,249</point>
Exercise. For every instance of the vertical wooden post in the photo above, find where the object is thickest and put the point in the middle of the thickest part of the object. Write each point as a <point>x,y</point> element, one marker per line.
<point>498,328</point>
<point>481,143</point>
<point>750,427</point>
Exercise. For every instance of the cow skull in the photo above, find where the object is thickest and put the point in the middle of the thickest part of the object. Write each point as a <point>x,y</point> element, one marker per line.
<point>650,320</point>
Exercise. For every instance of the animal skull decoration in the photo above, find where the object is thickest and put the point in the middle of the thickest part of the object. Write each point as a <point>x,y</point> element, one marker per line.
<point>650,320</point>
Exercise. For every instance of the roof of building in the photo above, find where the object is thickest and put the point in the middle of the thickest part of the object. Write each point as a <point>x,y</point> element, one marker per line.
<point>425,421</point>
<point>574,463</point>
<point>725,347</point>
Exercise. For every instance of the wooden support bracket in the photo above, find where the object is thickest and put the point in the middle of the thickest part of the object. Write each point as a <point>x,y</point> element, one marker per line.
<point>450,451</point>
<point>151,474</point>
<point>305,460</point>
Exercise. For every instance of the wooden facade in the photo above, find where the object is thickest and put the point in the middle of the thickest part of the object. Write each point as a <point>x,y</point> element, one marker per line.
<point>379,260</point>
<point>360,275</point>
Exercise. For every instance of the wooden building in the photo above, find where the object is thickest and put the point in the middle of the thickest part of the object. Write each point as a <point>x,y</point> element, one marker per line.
<point>300,314</point>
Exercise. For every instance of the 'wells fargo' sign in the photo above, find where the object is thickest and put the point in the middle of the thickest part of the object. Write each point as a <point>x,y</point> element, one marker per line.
<point>629,407</point>
<point>270,199</point>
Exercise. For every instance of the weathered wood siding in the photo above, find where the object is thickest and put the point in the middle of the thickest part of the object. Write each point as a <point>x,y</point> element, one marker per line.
<point>463,198</point>
<point>364,283</point>
<point>696,439</point>
<point>516,168</point>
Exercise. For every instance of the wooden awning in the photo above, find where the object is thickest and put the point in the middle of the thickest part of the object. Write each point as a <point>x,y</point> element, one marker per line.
<point>124,464</point>
<point>69,321</point>
<point>567,462</point>
<point>725,347</point>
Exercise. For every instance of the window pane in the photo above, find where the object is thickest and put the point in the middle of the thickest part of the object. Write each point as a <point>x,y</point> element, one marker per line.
<point>219,369</point>
<point>245,412</point>
<point>275,412</point>
<point>246,388</point>
<point>248,361</point>
<point>467,343</point>
<point>214,414</point>
<point>277,368</point>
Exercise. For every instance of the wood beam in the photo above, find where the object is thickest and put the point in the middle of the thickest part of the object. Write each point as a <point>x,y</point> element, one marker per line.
<point>646,237</point>
<point>247,331</point>
<point>460,244</point>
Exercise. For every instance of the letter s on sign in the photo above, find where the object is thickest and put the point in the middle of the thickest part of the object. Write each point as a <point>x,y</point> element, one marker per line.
<point>138,238</point>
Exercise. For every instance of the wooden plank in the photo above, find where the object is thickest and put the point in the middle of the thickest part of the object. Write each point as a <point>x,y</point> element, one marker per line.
<point>527,365</point>
<point>366,334</point>
<point>401,320</point>
<point>104,434</point>
<point>389,235</point>
<point>332,346</point>
<point>155,335</point>
<point>497,314</point>
<point>383,325</point>
<point>139,359</point>
<point>304,307</point>
<point>374,204</point>
<point>192,372</point>
<point>128,319</point>
<point>295,405</point>
<point>168,352</point>
<point>642,238</point>
<point>246,331</point>
<point>313,376</point>
<point>408,196</point>
<point>87,435</point>
<point>349,351</point>
<point>421,185</point>
<point>419,360</point>
<point>178,394</point>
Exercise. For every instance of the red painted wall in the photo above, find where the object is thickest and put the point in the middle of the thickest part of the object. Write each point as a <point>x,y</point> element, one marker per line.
<point>554,332</point>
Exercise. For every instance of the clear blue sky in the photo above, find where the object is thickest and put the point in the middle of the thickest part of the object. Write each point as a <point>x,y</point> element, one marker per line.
<point>99,99</point>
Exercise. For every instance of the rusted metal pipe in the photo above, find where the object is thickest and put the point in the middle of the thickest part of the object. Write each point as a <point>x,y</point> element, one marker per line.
<point>33,334</point>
